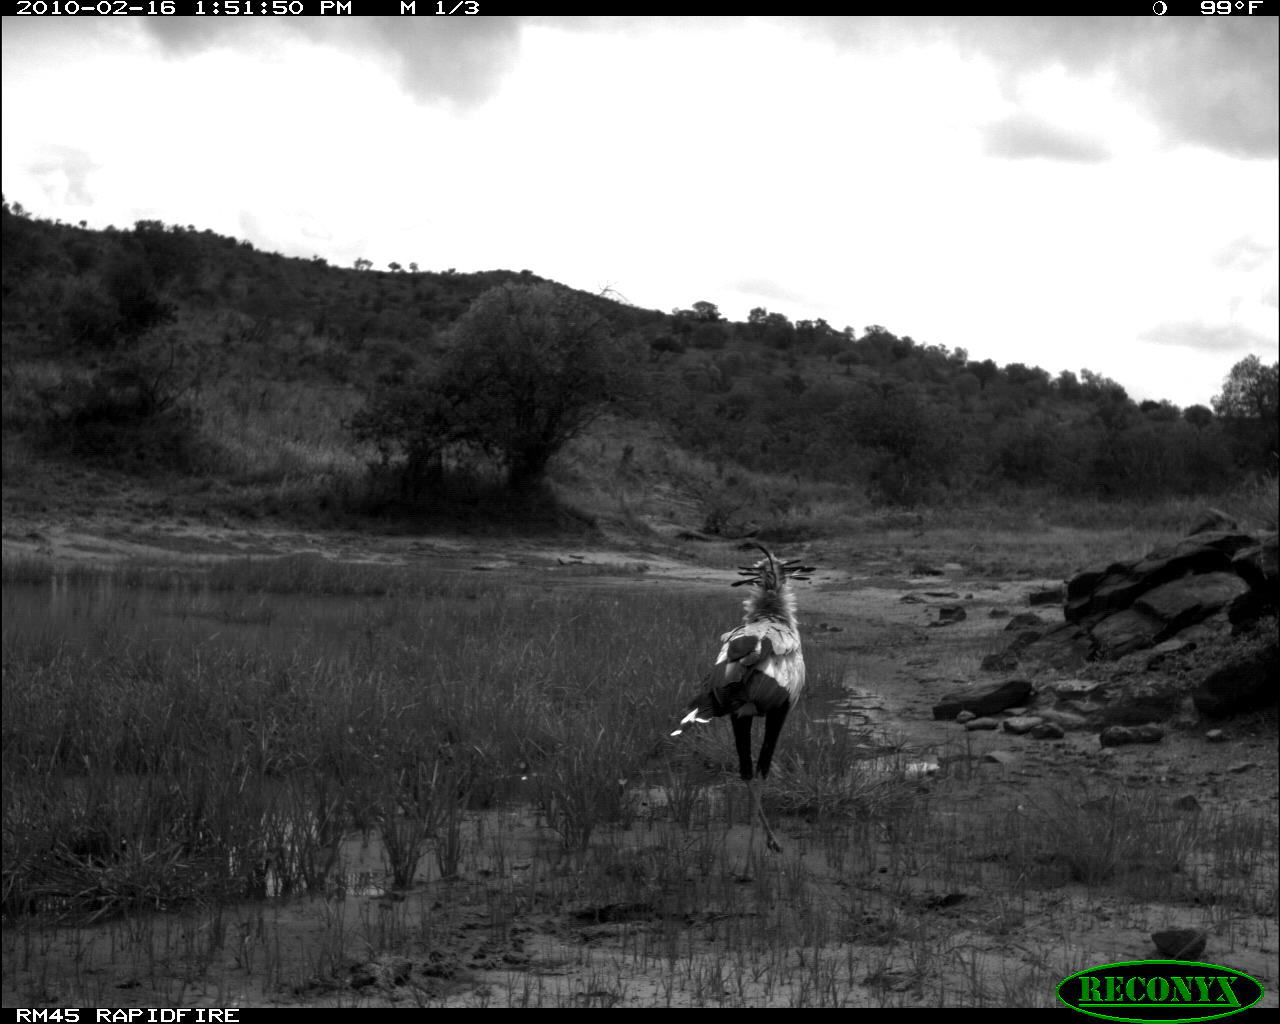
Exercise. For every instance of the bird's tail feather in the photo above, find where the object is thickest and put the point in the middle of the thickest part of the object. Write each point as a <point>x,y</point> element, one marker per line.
<point>702,709</point>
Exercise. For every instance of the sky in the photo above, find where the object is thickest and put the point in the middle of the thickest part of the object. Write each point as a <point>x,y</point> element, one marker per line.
<point>1061,192</point>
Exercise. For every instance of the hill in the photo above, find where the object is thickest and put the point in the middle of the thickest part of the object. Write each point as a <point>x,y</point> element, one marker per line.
<point>172,354</point>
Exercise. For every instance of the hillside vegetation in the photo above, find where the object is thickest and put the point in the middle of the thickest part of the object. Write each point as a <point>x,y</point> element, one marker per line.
<point>291,386</point>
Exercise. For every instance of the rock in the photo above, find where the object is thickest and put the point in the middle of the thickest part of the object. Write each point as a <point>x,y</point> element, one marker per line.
<point>1148,700</point>
<point>1212,519</point>
<point>1066,721</point>
<point>1002,661</point>
<point>1047,731</point>
<point>1000,757</point>
<point>1024,620</point>
<point>1242,767</point>
<point>1215,736</point>
<point>1248,608</point>
<point>1181,943</point>
<point>1006,695</point>
<point>1115,736</point>
<point>1082,707</point>
<point>981,724</point>
<point>1163,652</point>
<point>1185,602</point>
<point>1243,685</point>
<point>948,614</point>
<point>1125,632</point>
<point>1065,647</point>
<point>1066,688</point>
<point>911,599</point>
<point>1121,583</point>
<point>1052,595</point>
<point>1113,592</point>
<point>1120,735</point>
<point>1257,566</point>
<point>1229,542</point>
<point>1187,803</point>
<point>965,716</point>
<point>998,613</point>
<point>1021,723</point>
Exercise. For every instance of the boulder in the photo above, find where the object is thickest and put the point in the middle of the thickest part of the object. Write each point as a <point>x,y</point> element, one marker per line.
<point>1181,943</point>
<point>1119,735</point>
<point>1212,519</point>
<point>1257,566</point>
<point>1244,685</point>
<point>948,614</point>
<point>1007,695</point>
<point>1064,720</point>
<point>1069,688</point>
<point>1186,601</point>
<point>1125,632</point>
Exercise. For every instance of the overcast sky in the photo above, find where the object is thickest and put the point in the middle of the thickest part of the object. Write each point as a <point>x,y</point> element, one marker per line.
<point>1069,193</point>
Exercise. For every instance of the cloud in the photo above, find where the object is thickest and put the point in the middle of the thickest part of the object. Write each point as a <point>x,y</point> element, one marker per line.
<point>1198,335</point>
<point>64,172</point>
<point>1217,86</point>
<point>1024,136</point>
<point>766,289</point>
<point>1244,254</point>
<point>1211,82</point>
<point>457,60</point>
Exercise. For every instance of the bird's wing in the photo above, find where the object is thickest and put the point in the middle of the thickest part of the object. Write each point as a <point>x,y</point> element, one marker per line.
<point>759,668</point>
<point>766,648</point>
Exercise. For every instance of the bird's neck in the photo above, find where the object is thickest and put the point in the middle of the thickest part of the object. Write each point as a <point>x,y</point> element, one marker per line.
<point>776,605</point>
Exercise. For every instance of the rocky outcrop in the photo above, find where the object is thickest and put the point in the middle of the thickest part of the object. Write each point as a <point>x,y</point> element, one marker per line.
<point>1217,581</point>
<point>1097,593</point>
<point>1114,610</point>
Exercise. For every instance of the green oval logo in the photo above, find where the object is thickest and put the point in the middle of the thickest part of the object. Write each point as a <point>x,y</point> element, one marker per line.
<point>1164,990</point>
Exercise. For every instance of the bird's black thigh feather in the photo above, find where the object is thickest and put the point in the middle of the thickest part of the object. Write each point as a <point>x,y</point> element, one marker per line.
<point>772,727</point>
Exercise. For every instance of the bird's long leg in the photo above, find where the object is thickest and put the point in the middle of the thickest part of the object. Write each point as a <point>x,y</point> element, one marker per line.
<point>742,741</point>
<point>754,786</point>
<point>772,727</point>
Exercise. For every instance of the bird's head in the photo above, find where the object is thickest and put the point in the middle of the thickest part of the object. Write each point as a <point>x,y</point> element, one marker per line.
<point>771,596</point>
<point>770,573</point>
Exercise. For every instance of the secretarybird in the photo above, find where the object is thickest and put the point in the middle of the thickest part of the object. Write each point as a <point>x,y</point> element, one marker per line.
<point>759,672</point>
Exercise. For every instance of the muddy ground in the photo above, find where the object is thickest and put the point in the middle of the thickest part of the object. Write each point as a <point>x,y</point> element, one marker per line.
<point>589,955</point>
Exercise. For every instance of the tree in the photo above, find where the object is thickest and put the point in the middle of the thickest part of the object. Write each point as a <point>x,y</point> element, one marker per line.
<point>1249,391</point>
<point>529,368</point>
<point>1249,407</point>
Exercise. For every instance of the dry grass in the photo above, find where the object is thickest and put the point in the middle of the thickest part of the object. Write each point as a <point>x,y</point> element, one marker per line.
<point>174,751</point>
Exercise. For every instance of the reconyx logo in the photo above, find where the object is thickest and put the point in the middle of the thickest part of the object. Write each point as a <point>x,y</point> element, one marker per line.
<point>1165,990</point>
